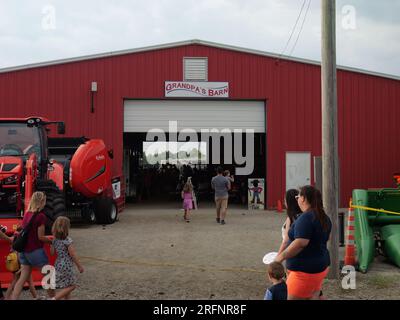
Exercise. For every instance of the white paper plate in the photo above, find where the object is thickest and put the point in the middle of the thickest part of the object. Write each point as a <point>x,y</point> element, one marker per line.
<point>270,257</point>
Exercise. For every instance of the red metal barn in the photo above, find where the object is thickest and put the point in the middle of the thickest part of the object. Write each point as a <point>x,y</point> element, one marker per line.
<point>287,88</point>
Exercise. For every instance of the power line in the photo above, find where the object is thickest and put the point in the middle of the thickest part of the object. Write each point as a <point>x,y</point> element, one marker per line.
<point>294,28</point>
<point>301,28</point>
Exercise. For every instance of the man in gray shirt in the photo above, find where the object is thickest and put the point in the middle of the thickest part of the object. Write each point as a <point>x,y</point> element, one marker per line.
<point>221,186</point>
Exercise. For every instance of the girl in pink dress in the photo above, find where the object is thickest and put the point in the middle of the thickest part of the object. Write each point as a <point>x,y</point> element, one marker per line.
<point>187,196</point>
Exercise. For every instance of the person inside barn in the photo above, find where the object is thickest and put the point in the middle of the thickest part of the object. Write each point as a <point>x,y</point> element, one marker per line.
<point>221,185</point>
<point>187,197</point>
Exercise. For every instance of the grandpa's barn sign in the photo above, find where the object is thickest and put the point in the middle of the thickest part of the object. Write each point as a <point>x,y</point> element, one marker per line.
<point>197,89</point>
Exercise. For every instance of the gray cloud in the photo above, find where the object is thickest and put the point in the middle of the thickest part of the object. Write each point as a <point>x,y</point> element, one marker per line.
<point>88,27</point>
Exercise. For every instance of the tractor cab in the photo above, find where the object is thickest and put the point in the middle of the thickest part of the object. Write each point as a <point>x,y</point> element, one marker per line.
<point>21,140</point>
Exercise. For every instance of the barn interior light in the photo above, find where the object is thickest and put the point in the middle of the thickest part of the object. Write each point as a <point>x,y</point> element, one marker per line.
<point>93,89</point>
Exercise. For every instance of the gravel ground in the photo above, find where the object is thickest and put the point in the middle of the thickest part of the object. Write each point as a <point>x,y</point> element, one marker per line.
<point>151,253</point>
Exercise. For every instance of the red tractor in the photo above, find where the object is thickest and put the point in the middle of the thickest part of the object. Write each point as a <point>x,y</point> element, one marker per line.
<point>75,173</point>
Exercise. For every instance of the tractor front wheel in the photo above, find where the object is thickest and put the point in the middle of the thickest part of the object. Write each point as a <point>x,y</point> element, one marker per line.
<point>105,210</point>
<point>55,201</point>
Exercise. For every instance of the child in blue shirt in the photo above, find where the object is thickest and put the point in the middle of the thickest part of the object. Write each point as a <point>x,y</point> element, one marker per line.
<point>276,273</point>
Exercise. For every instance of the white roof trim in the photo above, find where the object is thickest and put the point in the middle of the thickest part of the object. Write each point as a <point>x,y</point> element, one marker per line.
<point>185,43</point>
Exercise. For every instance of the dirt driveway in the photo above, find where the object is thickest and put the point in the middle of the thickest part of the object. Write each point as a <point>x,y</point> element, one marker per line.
<point>151,253</point>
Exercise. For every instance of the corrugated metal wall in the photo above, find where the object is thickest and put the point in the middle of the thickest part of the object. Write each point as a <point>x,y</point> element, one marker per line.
<point>368,106</point>
<point>145,115</point>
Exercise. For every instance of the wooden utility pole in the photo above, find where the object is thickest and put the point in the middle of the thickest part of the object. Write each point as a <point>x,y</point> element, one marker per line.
<point>329,129</point>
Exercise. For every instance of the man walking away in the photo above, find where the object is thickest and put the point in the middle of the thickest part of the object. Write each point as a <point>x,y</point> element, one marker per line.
<point>221,186</point>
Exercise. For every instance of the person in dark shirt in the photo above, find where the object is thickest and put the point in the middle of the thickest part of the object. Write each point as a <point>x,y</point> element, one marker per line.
<point>276,273</point>
<point>307,256</point>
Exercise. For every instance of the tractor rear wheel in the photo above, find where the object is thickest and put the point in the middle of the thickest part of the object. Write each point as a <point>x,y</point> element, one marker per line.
<point>105,210</point>
<point>55,202</point>
<point>89,216</point>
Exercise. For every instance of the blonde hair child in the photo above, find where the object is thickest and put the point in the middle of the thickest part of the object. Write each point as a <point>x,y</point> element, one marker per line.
<point>66,258</point>
<point>187,196</point>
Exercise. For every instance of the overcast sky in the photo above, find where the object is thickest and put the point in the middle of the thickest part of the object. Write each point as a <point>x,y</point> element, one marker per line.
<point>368,31</point>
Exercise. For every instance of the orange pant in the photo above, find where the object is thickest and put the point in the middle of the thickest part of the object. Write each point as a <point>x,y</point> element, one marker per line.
<point>304,285</point>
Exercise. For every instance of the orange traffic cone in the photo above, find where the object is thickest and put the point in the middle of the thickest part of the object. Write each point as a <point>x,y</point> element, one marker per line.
<point>279,207</point>
<point>350,254</point>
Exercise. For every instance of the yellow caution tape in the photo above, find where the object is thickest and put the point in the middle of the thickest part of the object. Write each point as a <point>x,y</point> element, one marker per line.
<point>162,264</point>
<point>376,210</point>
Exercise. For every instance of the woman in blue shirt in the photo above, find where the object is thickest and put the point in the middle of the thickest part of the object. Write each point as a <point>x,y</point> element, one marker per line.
<point>307,254</point>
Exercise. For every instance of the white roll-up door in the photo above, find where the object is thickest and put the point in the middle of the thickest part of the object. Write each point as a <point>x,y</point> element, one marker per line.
<point>143,115</point>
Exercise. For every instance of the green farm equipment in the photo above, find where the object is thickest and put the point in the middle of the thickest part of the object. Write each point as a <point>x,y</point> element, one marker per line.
<point>377,224</point>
